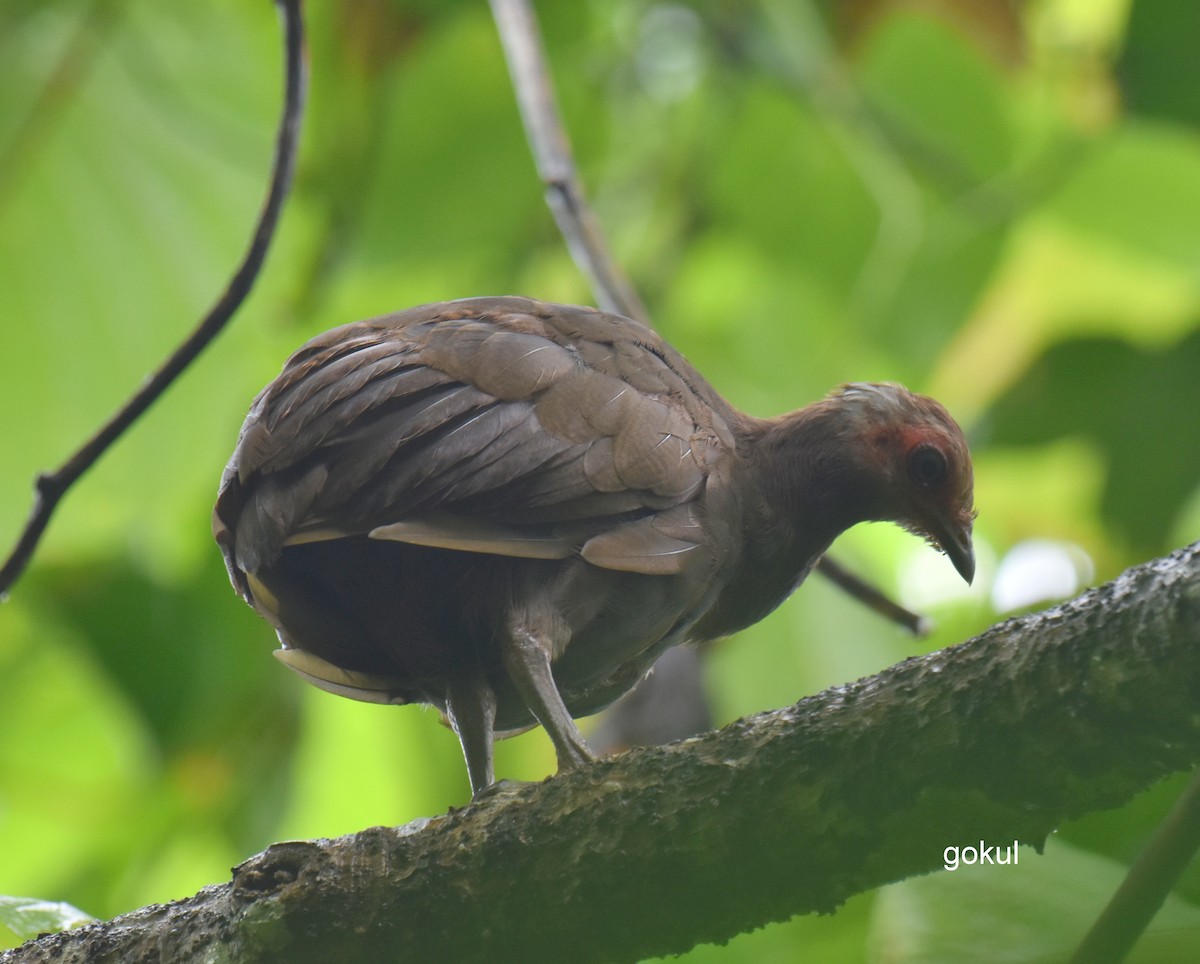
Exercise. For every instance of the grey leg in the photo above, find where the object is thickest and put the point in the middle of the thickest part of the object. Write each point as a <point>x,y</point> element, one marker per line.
<point>527,661</point>
<point>471,709</point>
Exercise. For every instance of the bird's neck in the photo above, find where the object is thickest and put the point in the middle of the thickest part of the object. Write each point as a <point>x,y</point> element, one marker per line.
<point>802,487</point>
<point>812,478</point>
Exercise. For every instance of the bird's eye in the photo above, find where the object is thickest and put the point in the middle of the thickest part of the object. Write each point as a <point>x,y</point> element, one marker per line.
<point>927,466</point>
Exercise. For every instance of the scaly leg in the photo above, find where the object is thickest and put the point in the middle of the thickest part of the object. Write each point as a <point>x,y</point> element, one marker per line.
<point>527,660</point>
<point>471,709</point>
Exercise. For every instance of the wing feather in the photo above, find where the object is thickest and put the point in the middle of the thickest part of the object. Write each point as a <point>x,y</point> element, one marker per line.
<point>472,535</point>
<point>501,426</point>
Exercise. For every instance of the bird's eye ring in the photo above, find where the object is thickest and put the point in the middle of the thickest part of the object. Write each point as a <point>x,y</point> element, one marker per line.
<point>927,466</point>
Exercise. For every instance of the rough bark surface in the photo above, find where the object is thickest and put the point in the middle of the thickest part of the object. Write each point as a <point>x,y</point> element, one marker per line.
<point>1036,721</point>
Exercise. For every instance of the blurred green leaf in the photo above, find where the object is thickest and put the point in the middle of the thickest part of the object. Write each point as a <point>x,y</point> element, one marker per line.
<point>1140,190</point>
<point>1159,50</point>
<point>27,917</point>
<point>1036,910</point>
<point>824,223</point>
<point>1122,833</point>
<point>1137,406</point>
<point>941,98</point>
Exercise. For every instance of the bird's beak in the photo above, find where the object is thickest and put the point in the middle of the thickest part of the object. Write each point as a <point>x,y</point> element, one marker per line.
<point>962,554</point>
<point>954,539</point>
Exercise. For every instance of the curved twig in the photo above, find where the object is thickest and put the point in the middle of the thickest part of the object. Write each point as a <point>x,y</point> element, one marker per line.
<point>50,487</point>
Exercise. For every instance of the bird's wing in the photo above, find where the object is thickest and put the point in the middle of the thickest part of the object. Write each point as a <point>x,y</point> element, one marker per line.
<point>501,425</point>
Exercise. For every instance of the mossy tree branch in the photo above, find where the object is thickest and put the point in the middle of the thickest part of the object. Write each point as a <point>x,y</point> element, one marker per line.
<point>1036,721</point>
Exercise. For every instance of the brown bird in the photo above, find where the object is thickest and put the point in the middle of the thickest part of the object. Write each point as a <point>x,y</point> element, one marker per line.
<point>509,509</point>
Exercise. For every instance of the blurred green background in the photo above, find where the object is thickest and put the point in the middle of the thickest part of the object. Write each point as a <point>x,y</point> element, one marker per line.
<point>997,203</point>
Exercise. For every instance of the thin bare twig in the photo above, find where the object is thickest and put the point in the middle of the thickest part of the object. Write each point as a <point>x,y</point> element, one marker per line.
<point>523,48</point>
<point>872,598</point>
<point>49,488</point>
<point>551,149</point>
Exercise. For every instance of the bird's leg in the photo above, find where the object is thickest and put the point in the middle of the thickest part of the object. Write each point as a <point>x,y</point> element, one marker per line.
<point>527,660</point>
<point>471,709</point>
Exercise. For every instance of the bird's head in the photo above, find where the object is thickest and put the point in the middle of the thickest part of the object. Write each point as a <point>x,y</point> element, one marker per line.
<point>917,455</point>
